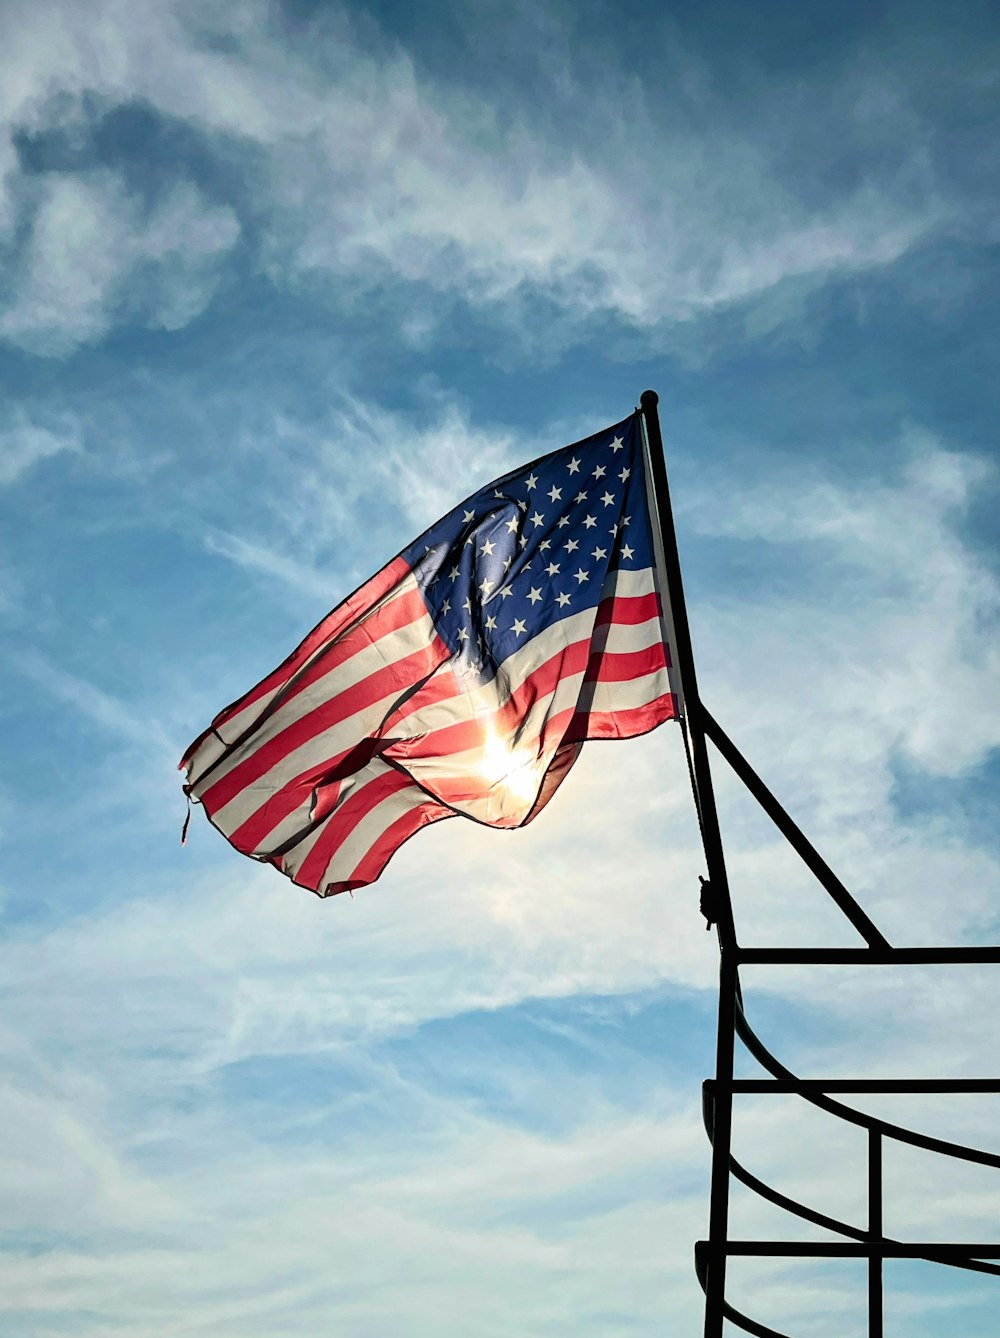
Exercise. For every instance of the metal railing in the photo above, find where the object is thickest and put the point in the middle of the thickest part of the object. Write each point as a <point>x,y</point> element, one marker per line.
<point>863,1242</point>
<point>867,1242</point>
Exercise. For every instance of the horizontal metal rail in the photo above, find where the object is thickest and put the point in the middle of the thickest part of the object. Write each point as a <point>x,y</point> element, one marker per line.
<point>896,1085</point>
<point>867,956</point>
<point>701,1255</point>
<point>871,1249</point>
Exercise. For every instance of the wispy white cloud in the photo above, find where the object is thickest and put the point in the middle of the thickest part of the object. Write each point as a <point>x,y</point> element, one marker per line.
<point>129,724</point>
<point>258,558</point>
<point>332,1222</point>
<point>25,442</point>
<point>97,257</point>
<point>412,473</point>
<point>918,671</point>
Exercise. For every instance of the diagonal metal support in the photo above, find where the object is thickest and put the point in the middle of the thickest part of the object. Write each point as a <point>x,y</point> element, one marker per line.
<point>799,842</point>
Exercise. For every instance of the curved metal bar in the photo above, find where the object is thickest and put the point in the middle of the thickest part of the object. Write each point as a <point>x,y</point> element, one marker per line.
<point>731,1313</point>
<point>833,1224</point>
<point>746,1323</point>
<point>897,1132</point>
<point>792,1205</point>
<point>970,1265</point>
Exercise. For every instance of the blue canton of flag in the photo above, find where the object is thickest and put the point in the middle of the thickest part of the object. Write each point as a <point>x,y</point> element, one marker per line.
<point>462,679</point>
<point>535,546</point>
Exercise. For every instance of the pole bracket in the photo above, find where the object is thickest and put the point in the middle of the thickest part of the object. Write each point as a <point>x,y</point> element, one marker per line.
<point>708,903</point>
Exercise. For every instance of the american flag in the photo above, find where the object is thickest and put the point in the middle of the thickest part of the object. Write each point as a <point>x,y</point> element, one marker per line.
<point>461,679</point>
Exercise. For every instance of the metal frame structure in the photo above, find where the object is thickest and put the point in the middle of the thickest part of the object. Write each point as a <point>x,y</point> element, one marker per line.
<point>868,1242</point>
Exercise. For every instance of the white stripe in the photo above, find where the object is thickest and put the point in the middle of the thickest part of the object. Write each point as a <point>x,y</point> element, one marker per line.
<point>314,751</point>
<point>622,638</point>
<point>375,656</point>
<point>366,659</point>
<point>628,694</point>
<point>363,835</point>
<point>629,582</point>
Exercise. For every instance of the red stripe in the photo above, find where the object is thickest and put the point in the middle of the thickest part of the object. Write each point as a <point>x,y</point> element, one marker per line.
<point>330,627</point>
<point>381,851</point>
<point>622,666</point>
<point>252,832</point>
<point>622,724</point>
<point>339,825</point>
<point>401,675</point>
<point>628,610</point>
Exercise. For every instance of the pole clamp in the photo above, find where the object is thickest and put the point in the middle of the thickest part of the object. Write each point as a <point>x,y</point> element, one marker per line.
<point>707,903</point>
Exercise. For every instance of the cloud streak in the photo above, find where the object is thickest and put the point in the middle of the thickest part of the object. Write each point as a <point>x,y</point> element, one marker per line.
<point>366,169</point>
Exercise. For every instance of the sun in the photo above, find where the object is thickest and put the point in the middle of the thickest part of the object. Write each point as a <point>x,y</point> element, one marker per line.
<point>516,771</point>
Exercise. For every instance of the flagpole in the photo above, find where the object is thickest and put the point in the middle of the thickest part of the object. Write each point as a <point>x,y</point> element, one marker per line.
<point>719,906</point>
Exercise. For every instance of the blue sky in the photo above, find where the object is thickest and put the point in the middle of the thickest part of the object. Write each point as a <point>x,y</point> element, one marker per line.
<point>281,284</point>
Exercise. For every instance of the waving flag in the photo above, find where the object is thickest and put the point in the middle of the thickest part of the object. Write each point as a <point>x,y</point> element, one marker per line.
<point>462,679</point>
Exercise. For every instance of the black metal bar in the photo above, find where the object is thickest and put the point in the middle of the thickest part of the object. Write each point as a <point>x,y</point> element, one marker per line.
<point>885,1249</point>
<point>868,956</point>
<point>730,1312</point>
<point>904,1085</point>
<point>722,1127</point>
<point>875,1311</point>
<point>780,1200</point>
<point>683,654</point>
<point>792,833</point>
<point>790,1205</point>
<point>774,1066</point>
<point>711,835</point>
